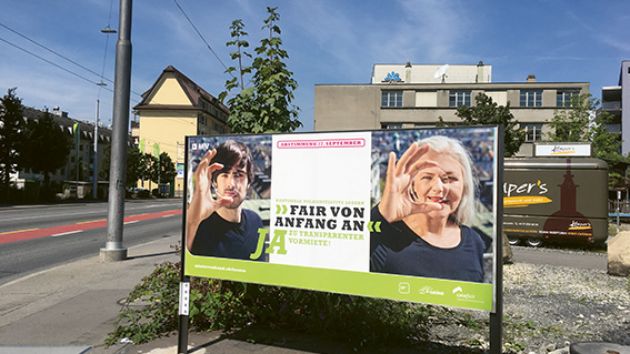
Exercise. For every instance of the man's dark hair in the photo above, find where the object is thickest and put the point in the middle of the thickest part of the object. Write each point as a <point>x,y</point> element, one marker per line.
<point>233,154</point>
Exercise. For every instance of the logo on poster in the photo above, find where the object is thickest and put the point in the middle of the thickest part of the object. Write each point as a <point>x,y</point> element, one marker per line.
<point>427,290</point>
<point>404,288</point>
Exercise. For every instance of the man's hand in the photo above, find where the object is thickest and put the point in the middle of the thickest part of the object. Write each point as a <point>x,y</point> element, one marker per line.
<point>396,202</point>
<point>202,204</point>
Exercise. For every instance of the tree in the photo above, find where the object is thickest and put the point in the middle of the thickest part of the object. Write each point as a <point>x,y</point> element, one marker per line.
<point>151,170</point>
<point>266,105</point>
<point>572,124</point>
<point>167,169</point>
<point>12,133</point>
<point>135,166</point>
<point>585,121</point>
<point>48,146</point>
<point>487,112</point>
<point>103,173</point>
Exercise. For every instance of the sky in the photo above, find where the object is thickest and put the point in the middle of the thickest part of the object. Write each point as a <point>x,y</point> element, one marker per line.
<point>328,42</point>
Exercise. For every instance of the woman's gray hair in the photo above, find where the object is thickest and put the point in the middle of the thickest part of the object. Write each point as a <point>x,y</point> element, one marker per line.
<point>445,145</point>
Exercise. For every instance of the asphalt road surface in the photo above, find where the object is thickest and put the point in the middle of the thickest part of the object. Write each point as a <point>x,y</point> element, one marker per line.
<point>33,238</point>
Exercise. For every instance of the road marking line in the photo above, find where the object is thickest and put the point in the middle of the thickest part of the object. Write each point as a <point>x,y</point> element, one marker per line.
<point>131,222</point>
<point>167,216</point>
<point>89,221</point>
<point>66,233</point>
<point>16,231</point>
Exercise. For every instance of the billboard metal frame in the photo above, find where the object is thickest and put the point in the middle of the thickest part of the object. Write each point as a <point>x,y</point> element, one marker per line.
<point>495,316</point>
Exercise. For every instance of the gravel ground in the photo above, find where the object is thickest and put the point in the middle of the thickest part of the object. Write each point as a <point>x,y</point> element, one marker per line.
<point>547,307</point>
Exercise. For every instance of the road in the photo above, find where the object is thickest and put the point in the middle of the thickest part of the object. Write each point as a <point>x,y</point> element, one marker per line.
<point>566,257</point>
<point>33,238</point>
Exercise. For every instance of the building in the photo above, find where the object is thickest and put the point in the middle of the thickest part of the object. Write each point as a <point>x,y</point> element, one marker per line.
<point>171,109</point>
<point>406,96</point>
<point>616,101</point>
<point>81,154</point>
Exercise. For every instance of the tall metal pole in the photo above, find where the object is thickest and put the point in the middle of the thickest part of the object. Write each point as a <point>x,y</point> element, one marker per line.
<point>114,250</point>
<point>95,174</point>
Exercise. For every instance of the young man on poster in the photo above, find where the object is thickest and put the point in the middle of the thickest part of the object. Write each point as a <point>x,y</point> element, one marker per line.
<point>217,225</point>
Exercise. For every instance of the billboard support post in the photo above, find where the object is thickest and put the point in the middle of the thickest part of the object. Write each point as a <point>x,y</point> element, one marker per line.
<point>496,317</point>
<point>184,284</point>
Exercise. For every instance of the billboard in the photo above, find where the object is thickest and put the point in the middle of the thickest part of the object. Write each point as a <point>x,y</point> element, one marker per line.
<point>408,215</point>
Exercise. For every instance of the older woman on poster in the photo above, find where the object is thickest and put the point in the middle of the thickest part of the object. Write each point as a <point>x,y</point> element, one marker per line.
<point>429,195</point>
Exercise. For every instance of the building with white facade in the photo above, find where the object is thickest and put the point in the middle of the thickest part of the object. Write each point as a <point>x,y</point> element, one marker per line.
<point>411,95</point>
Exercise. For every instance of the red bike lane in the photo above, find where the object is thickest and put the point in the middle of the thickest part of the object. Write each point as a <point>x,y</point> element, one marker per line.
<point>61,230</point>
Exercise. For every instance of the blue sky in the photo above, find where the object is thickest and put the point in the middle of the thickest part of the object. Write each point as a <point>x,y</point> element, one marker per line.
<point>327,41</point>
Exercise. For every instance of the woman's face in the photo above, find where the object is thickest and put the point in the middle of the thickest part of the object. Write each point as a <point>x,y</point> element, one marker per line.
<point>442,183</point>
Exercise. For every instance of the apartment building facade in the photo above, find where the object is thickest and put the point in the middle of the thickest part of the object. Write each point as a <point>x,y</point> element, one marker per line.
<point>174,107</point>
<point>406,96</point>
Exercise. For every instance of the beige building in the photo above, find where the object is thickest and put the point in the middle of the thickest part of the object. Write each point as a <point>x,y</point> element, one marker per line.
<point>171,109</point>
<point>406,96</point>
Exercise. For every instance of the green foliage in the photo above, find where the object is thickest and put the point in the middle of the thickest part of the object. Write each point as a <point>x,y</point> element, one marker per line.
<point>571,125</point>
<point>166,169</point>
<point>266,105</point>
<point>151,310</point>
<point>487,112</point>
<point>135,166</point>
<point>103,173</point>
<point>584,121</point>
<point>11,135</point>
<point>48,146</point>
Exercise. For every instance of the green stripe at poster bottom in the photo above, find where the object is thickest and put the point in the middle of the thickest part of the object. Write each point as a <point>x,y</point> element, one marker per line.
<point>467,295</point>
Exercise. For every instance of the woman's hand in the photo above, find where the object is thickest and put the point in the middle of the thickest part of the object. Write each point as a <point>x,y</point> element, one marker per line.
<point>396,202</point>
<point>202,204</point>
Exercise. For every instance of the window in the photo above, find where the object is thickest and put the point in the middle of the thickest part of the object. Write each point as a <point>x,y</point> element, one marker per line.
<point>533,132</point>
<point>564,97</point>
<point>459,98</point>
<point>391,99</point>
<point>531,98</point>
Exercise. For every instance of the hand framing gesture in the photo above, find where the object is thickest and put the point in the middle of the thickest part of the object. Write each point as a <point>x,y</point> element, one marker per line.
<point>203,204</point>
<point>397,202</point>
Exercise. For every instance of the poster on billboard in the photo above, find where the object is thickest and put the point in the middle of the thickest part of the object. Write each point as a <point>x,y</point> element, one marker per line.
<point>408,215</point>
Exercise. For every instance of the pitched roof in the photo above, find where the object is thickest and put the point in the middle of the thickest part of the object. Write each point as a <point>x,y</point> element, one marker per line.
<point>192,90</point>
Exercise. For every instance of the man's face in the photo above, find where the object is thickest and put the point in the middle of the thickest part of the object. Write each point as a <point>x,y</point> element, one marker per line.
<point>233,184</point>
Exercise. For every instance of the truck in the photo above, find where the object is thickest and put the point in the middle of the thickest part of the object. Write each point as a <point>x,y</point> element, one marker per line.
<point>555,200</point>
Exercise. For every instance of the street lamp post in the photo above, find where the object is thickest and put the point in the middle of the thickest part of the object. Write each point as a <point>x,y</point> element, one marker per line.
<point>114,250</point>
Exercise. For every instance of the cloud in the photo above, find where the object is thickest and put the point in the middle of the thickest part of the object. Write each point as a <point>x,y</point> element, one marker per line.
<point>431,31</point>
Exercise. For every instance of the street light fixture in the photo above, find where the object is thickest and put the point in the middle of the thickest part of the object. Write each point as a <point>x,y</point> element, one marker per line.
<point>108,30</point>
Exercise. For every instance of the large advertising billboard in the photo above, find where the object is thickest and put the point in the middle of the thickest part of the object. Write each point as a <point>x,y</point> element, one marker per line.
<point>408,215</point>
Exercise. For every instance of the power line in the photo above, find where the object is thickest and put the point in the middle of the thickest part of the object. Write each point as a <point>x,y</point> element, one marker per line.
<point>57,54</point>
<point>51,63</point>
<point>201,36</point>
<point>109,18</point>
<point>55,64</point>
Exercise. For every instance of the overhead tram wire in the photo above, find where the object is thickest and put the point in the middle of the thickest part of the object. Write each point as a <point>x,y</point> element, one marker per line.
<point>50,62</point>
<point>202,38</point>
<point>107,31</point>
<point>55,64</point>
<point>55,53</point>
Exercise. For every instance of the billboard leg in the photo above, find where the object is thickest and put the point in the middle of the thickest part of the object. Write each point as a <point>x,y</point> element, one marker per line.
<point>182,331</point>
<point>496,317</point>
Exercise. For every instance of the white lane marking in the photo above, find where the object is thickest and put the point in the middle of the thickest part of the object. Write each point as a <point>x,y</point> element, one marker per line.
<point>167,216</point>
<point>66,233</point>
<point>131,222</point>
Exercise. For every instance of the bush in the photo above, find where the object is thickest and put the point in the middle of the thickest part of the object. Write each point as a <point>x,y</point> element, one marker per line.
<point>151,310</point>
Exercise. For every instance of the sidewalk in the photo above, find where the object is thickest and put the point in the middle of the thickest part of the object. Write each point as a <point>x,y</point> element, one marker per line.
<point>70,309</point>
<point>75,304</point>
